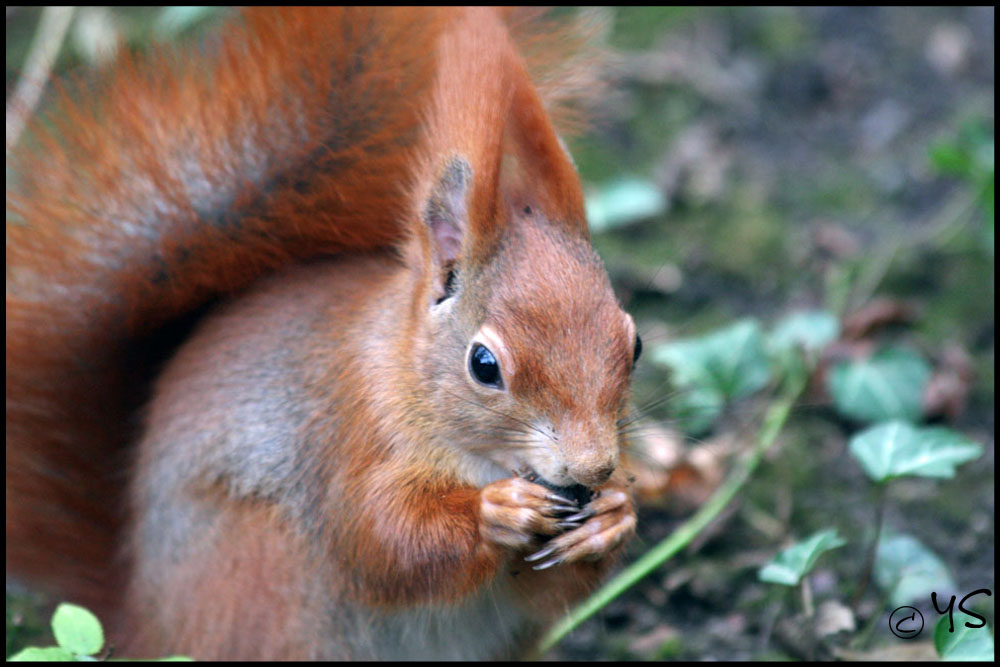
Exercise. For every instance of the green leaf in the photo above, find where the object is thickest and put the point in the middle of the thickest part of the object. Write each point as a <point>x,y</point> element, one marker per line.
<point>695,409</point>
<point>888,385</point>
<point>950,159</point>
<point>175,19</point>
<point>623,203</point>
<point>811,330</point>
<point>793,563</point>
<point>77,630</point>
<point>964,643</point>
<point>730,362</point>
<point>897,448</point>
<point>171,658</point>
<point>970,154</point>
<point>908,570</point>
<point>47,654</point>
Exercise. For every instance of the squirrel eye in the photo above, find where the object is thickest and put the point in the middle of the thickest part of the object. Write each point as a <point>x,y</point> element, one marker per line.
<point>638,349</point>
<point>484,366</point>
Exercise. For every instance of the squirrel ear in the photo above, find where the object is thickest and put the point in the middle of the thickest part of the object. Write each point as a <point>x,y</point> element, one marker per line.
<point>447,211</point>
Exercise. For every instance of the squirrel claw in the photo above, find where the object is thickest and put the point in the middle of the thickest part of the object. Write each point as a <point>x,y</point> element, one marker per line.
<point>547,551</point>
<point>556,498</point>
<point>562,507</point>
<point>547,564</point>
<point>580,516</point>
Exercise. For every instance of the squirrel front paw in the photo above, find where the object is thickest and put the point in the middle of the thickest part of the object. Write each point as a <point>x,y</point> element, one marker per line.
<point>594,532</point>
<point>515,512</point>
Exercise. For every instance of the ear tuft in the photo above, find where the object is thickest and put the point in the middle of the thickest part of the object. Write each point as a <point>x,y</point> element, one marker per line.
<point>447,211</point>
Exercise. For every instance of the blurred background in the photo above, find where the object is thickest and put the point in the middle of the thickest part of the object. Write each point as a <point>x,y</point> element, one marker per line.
<point>751,163</point>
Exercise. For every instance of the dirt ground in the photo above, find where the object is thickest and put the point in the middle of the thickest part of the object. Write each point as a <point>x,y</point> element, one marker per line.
<point>779,135</point>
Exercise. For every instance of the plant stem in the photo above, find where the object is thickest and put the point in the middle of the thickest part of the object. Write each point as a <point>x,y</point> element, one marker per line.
<point>810,613</point>
<point>774,420</point>
<point>807,597</point>
<point>860,641</point>
<point>866,574</point>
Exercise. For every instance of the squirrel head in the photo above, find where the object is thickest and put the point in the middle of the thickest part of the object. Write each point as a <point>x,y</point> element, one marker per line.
<point>527,355</point>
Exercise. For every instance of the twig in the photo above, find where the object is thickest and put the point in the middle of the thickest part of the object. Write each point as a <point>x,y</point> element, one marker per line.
<point>45,46</point>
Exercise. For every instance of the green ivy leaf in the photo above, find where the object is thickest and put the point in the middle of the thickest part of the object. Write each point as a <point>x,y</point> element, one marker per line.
<point>695,409</point>
<point>964,643</point>
<point>949,158</point>
<point>46,654</point>
<point>908,570</point>
<point>171,658</point>
<point>811,330</point>
<point>888,385</point>
<point>730,362</point>
<point>897,448</point>
<point>77,630</point>
<point>793,563</point>
<point>176,19</point>
<point>624,202</point>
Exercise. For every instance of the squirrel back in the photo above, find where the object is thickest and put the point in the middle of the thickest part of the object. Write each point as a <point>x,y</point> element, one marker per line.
<point>312,132</point>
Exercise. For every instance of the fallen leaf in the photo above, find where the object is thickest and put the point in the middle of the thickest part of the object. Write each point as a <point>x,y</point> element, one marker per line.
<point>875,315</point>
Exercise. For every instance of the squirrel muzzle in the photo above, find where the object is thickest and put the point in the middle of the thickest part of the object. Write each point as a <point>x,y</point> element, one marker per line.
<point>589,452</point>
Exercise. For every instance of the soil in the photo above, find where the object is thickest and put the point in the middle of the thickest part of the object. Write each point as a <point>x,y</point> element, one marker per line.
<point>786,137</point>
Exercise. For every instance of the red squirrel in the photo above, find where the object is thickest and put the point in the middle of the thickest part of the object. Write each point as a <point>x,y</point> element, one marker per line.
<point>308,353</point>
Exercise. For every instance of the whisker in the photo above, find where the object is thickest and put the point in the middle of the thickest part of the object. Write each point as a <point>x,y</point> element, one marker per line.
<point>502,414</point>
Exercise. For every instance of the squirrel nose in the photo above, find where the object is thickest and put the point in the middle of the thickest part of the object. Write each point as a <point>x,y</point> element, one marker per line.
<point>589,452</point>
<point>591,475</point>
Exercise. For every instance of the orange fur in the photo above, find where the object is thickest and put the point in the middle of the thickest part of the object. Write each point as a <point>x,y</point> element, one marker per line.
<point>314,473</point>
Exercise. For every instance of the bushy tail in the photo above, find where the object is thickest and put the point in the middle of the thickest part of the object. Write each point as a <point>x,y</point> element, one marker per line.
<point>179,178</point>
